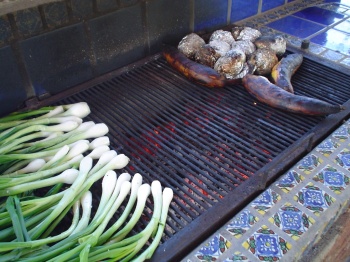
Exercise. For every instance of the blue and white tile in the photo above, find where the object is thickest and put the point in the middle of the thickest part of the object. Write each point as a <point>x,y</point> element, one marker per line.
<point>314,198</point>
<point>212,250</point>
<point>290,180</point>
<point>266,245</point>
<point>265,201</point>
<point>332,178</point>
<point>343,159</point>
<point>292,221</point>
<point>327,147</point>
<point>309,163</point>
<point>241,223</point>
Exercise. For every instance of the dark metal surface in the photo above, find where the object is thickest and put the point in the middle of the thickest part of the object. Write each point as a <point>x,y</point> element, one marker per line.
<point>216,148</point>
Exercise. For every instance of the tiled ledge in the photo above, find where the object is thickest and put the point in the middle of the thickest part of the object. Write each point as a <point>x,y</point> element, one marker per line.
<point>9,6</point>
<point>264,23</point>
<point>292,213</point>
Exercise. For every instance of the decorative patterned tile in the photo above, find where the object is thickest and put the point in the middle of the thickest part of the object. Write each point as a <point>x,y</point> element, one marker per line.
<point>28,21</point>
<point>292,221</point>
<point>266,245</point>
<point>342,133</point>
<point>309,163</point>
<point>314,199</point>
<point>81,8</point>
<point>333,179</point>
<point>327,147</point>
<point>343,159</point>
<point>237,256</point>
<point>106,5</point>
<point>289,181</point>
<point>5,29</point>
<point>55,14</point>
<point>241,223</point>
<point>124,3</point>
<point>265,201</point>
<point>213,249</point>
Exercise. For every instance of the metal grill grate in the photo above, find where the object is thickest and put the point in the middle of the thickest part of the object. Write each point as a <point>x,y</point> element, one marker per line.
<point>204,143</point>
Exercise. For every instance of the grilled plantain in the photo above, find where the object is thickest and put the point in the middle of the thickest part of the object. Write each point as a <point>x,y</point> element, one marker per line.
<point>283,71</point>
<point>195,72</point>
<point>266,92</point>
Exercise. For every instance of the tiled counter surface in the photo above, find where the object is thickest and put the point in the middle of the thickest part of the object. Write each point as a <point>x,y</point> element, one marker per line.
<point>324,23</point>
<point>300,206</point>
<point>292,213</point>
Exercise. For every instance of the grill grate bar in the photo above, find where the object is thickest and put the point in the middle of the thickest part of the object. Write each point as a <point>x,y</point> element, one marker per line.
<point>179,149</point>
<point>177,166</point>
<point>209,130</point>
<point>222,119</point>
<point>245,103</point>
<point>192,139</point>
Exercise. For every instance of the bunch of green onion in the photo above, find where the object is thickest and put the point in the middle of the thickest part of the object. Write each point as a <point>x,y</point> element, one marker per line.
<point>52,150</point>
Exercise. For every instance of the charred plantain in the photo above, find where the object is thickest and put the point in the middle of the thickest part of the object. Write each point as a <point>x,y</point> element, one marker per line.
<point>266,92</point>
<point>195,72</point>
<point>283,71</point>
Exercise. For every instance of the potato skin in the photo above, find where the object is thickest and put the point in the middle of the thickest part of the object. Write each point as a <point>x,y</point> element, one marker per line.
<point>266,92</point>
<point>264,60</point>
<point>195,72</point>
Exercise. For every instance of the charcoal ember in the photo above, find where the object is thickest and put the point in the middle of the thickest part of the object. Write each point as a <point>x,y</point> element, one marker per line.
<point>206,55</point>
<point>190,44</point>
<point>264,60</point>
<point>220,47</point>
<point>276,43</point>
<point>222,35</point>
<point>248,33</point>
<point>246,46</point>
<point>231,64</point>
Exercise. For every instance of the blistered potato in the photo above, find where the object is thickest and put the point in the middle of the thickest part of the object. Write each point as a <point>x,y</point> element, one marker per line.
<point>190,44</point>
<point>220,47</point>
<point>264,60</point>
<point>231,64</point>
<point>276,43</point>
<point>245,33</point>
<point>222,35</point>
<point>246,46</point>
<point>206,55</point>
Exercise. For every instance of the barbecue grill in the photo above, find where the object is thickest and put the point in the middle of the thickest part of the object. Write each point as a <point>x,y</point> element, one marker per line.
<point>216,148</point>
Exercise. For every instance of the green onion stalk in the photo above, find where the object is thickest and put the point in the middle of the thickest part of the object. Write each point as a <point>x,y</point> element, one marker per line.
<point>52,148</point>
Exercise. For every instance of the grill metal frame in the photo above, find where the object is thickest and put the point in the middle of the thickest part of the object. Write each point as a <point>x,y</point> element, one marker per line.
<point>161,77</point>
